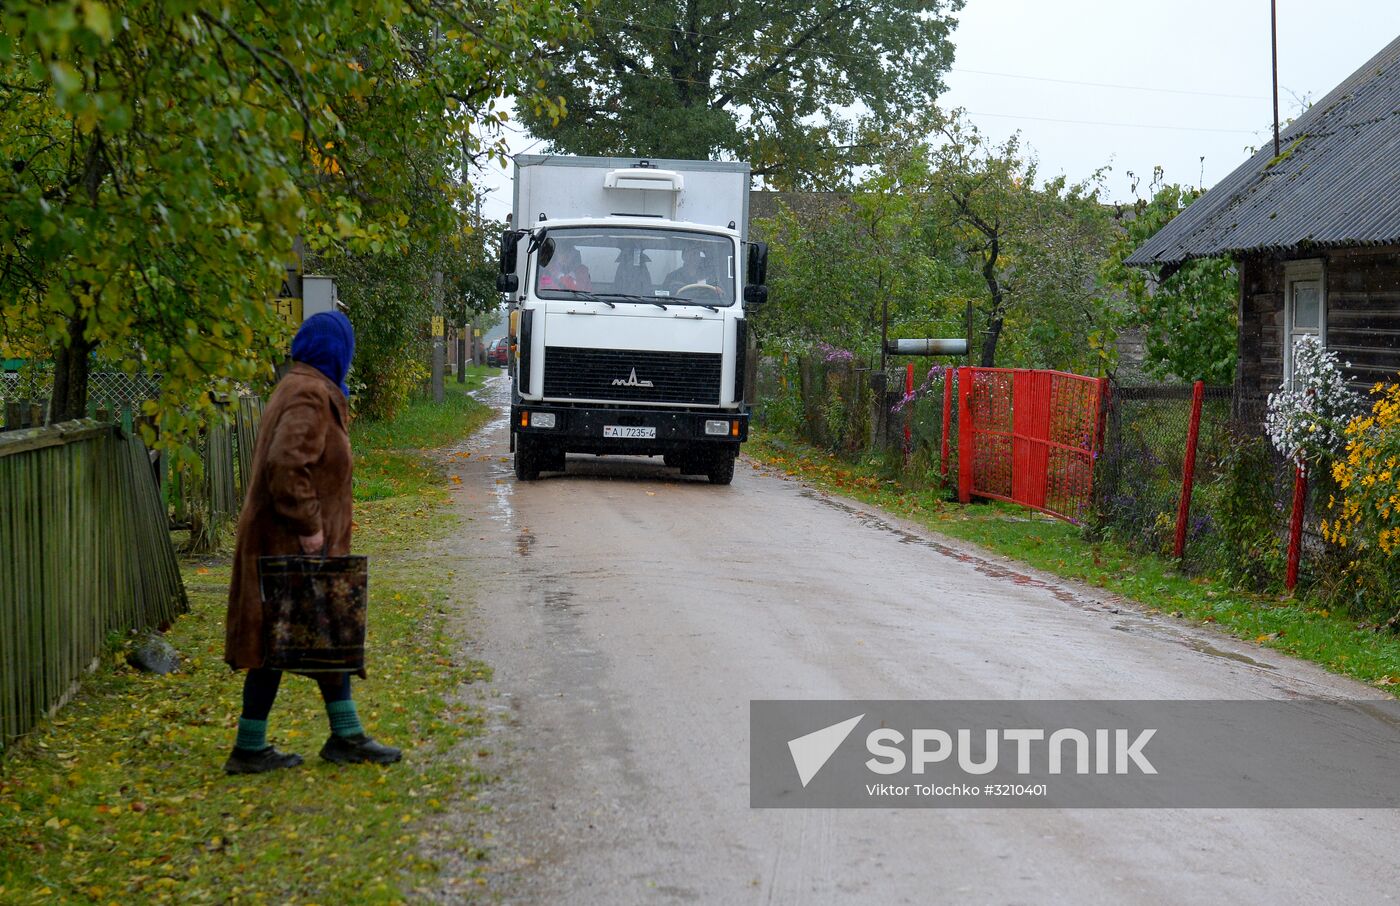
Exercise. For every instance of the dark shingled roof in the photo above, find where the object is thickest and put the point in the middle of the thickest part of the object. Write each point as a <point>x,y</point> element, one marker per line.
<point>1336,182</point>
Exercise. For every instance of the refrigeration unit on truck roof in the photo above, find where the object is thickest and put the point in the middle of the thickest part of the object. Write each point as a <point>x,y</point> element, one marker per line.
<point>715,193</point>
<point>629,281</point>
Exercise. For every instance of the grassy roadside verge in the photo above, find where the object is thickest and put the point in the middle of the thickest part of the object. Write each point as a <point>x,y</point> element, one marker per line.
<point>1287,624</point>
<point>120,798</point>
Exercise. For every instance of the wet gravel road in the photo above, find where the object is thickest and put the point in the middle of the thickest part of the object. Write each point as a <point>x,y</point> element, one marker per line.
<point>630,616</point>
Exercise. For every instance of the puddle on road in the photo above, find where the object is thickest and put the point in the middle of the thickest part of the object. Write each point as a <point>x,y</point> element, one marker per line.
<point>523,543</point>
<point>1209,649</point>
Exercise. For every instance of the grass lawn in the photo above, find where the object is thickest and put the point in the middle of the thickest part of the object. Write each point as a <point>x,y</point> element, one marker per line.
<point>1285,623</point>
<point>120,798</point>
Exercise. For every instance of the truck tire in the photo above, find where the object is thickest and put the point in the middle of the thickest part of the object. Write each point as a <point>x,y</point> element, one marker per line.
<point>721,469</point>
<point>527,460</point>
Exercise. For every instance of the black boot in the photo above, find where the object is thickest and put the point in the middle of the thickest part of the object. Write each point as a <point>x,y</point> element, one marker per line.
<point>246,761</point>
<point>358,749</point>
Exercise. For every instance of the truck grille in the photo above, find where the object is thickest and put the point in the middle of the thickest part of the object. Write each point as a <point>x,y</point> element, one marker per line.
<point>618,374</point>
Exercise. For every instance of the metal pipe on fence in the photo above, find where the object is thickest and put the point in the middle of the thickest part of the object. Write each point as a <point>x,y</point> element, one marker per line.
<point>954,346</point>
<point>1188,476</point>
<point>1295,526</point>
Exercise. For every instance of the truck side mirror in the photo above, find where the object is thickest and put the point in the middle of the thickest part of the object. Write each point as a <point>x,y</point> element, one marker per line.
<point>758,263</point>
<point>510,241</point>
<point>755,294</point>
<point>507,283</point>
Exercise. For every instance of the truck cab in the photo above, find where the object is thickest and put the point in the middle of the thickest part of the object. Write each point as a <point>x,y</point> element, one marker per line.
<point>630,329</point>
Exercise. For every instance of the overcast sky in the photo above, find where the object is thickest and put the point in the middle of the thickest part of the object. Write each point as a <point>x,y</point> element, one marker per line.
<point>1206,63</point>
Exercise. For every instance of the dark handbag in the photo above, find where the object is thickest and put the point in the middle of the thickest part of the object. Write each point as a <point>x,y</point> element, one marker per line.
<point>314,613</point>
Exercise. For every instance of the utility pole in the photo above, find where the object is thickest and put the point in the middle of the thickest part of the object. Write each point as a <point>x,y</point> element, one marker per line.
<point>1273,34</point>
<point>439,327</point>
<point>439,344</point>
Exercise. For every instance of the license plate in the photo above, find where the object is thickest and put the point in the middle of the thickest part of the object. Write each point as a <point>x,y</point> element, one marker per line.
<point>629,431</point>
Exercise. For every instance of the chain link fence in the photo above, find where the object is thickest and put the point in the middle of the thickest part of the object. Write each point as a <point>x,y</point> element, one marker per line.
<point>24,396</point>
<point>1241,502</point>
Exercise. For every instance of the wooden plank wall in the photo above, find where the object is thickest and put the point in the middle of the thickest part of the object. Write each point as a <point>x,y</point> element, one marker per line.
<point>1363,316</point>
<point>87,553</point>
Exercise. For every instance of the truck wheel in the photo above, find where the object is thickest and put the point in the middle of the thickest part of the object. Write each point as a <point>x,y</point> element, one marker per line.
<point>721,469</point>
<point>527,460</point>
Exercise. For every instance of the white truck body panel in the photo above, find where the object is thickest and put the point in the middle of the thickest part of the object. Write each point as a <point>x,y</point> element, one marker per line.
<point>714,193</point>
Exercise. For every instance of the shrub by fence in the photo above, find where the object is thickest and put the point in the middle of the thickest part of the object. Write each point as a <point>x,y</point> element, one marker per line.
<point>839,403</point>
<point>87,553</point>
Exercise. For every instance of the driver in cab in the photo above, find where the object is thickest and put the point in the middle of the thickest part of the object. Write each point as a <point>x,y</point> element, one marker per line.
<point>694,271</point>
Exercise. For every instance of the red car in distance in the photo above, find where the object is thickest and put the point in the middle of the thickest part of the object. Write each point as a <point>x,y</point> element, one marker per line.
<point>498,353</point>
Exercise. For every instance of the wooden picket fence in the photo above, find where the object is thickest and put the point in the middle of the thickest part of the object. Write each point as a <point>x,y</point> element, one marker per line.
<point>86,553</point>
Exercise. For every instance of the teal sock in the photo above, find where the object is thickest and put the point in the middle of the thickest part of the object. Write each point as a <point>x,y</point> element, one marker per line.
<point>345,721</point>
<point>252,735</point>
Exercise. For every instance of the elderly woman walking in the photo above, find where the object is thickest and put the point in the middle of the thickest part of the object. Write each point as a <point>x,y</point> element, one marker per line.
<point>298,503</point>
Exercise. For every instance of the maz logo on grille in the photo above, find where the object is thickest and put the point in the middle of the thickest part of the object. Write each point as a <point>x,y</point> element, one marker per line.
<point>631,381</point>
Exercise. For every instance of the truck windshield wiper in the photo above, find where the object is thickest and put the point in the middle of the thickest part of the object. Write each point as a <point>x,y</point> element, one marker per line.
<point>586,295</point>
<point>684,301</point>
<point>632,297</point>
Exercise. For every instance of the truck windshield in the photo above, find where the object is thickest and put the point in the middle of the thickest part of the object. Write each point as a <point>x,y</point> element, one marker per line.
<point>668,266</point>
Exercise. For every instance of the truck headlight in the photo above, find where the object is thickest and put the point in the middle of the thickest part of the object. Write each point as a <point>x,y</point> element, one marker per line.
<point>542,419</point>
<point>717,426</point>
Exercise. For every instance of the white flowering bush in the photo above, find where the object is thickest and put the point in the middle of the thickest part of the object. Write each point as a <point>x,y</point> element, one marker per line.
<point>1307,422</point>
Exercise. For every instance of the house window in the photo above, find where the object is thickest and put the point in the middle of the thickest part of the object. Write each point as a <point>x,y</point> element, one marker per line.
<point>1304,307</point>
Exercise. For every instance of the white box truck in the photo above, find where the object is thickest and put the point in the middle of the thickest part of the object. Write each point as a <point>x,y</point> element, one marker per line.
<point>627,281</point>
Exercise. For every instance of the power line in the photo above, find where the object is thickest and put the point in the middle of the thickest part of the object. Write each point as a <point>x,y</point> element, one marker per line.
<point>982,72</point>
<point>1206,94</point>
<point>1046,119</point>
<point>776,92</point>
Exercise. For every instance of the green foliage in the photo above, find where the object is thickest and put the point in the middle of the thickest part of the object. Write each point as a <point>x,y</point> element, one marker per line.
<point>1036,246</point>
<point>769,82</point>
<point>1363,513</point>
<point>1248,516</point>
<point>423,424</point>
<point>947,235</point>
<point>833,270</point>
<point>1190,319</point>
<point>161,159</point>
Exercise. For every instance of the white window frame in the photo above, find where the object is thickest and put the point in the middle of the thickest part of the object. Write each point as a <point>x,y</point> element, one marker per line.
<point>1294,272</point>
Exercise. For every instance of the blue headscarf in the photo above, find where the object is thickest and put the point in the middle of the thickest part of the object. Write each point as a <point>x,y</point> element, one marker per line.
<point>326,342</point>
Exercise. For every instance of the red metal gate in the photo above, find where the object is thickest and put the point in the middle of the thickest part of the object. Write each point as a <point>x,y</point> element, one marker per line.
<point>1029,437</point>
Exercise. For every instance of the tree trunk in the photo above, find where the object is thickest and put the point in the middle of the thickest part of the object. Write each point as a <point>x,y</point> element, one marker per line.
<point>70,378</point>
<point>997,317</point>
<point>989,342</point>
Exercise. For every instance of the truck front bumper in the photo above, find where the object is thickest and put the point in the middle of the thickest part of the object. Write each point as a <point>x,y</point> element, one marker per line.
<point>583,429</point>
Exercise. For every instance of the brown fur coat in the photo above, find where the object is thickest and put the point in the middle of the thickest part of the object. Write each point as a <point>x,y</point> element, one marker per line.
<point>300,484</point>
